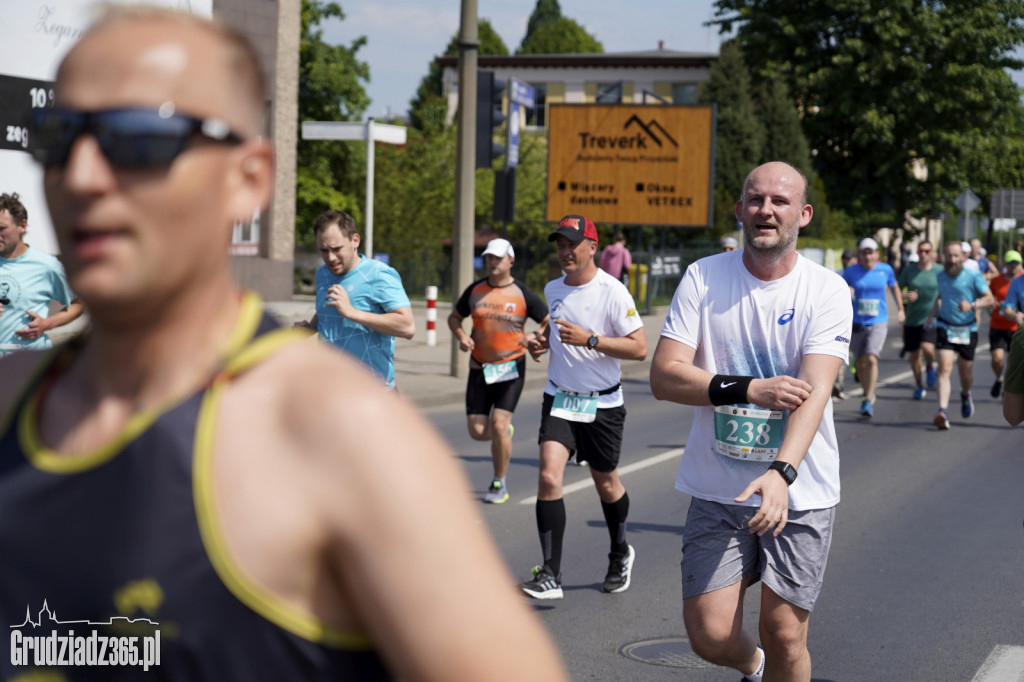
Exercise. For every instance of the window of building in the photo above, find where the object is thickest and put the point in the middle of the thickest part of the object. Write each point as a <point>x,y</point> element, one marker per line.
<point>535,117</point>
<point>684,93</point>
<point>609,93</point>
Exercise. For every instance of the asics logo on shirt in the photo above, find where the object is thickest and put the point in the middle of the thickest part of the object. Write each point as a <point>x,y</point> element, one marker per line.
<point>787,316</point>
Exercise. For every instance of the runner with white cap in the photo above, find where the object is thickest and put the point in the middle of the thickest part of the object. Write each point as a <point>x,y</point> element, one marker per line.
<point>499,306</point>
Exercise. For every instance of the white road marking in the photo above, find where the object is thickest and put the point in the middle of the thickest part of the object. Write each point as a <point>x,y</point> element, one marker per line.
<point>629,468</point>
<point>1004,664</point>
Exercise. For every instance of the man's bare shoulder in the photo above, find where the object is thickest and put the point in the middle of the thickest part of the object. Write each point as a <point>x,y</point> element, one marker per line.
<point>339,445</point>
<point>328,414</point>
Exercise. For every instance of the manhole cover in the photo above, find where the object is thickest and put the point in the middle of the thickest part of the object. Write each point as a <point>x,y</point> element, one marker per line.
<point>670,652</point>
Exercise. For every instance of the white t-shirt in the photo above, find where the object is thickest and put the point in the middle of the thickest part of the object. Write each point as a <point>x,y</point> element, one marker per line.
<point>740,325</point>
<point>602,306</point>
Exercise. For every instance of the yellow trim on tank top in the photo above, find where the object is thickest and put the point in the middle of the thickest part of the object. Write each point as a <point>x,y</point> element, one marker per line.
<point>257,597</point>
<point>45,459</point>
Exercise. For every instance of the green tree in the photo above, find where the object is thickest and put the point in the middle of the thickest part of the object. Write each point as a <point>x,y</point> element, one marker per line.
<point>545,12</point>
<point>739,135</point>
<point>415,209</point>
<point>784,140</point>
<point>561,36</point>
<point>885,84</point>
<point>330,89</point>
<point>423,107</point>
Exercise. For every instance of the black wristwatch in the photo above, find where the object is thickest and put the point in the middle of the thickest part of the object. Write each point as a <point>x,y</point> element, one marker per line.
<point>786,469</point>
<point>592,341</point>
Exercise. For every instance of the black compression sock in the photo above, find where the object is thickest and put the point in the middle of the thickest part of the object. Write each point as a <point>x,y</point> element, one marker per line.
<point>551,527</point>
<point>615,514</point>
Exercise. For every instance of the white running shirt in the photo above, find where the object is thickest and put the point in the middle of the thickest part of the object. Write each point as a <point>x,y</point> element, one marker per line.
<point>602,306</point>
<point>740,325</point>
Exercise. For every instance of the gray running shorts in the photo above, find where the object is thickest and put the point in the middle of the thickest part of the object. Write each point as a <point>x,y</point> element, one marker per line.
<point>719,551</point>
<point>868,340</point>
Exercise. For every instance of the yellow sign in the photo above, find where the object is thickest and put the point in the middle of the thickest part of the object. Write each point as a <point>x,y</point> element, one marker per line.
<point>631,164</point>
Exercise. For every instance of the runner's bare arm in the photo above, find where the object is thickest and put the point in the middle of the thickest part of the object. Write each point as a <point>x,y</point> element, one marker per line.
<point>633,346</point>
<point>819,371</point>
<point>466,342</point>
<point>674,377</point>
<point>422,573</point>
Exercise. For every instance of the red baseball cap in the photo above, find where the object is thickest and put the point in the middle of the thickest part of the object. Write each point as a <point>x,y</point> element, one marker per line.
<point>575,228</point>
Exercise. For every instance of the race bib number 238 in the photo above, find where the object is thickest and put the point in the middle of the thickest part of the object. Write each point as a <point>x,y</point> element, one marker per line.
<point>748,433</point>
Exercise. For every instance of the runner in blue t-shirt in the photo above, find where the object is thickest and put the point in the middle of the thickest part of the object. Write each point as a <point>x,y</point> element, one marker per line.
<point>361,305</point>
<point>961,293</point>
<point>29,281</point>
<point>1013,304</point>
<point>869,280</point>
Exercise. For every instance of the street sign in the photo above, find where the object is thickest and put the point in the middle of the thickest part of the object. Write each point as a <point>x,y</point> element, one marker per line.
<point>1008,203</point>
<point>631,164</point>
<point>371,132</point>
<point>521,93</point>
<point>967,201</point>
<point>353,130</point>
<point>512,150</point>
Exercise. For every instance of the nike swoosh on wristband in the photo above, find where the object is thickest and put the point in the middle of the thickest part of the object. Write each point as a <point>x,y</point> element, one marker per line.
<point>726,385</point>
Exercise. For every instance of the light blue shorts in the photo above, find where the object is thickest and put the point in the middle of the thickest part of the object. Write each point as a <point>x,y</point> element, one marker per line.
<point>719,551</point>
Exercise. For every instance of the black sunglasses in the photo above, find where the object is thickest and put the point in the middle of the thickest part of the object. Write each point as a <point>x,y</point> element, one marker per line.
<point>130,137</point>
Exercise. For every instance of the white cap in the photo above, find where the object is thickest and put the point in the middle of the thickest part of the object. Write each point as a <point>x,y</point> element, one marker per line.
<point>867,243</point>
<point>965,247</point>
<point>499,248</point>
<point>730,241</point>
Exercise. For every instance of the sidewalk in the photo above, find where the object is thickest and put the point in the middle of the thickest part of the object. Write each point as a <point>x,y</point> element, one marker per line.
<point>423,373</point>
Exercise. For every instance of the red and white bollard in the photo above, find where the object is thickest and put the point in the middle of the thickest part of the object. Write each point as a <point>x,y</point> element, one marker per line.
<point>431,316</point>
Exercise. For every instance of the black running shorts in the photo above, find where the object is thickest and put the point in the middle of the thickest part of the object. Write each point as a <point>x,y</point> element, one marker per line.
<point>597,443</point>
<point>504,395</point>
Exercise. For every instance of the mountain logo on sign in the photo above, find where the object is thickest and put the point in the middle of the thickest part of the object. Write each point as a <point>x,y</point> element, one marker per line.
<point>650,127</point>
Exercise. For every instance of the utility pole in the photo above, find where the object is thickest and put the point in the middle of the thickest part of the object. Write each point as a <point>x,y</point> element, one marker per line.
<point>465,168</point>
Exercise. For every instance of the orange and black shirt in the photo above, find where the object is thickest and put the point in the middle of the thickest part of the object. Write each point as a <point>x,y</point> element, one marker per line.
<point>499,315</point>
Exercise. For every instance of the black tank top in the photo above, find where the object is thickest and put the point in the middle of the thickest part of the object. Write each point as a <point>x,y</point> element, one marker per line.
<point>122,542</point>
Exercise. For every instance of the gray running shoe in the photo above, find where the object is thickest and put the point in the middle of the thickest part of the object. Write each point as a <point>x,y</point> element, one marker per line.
<point>544,584</point>
<point>497,493</point>
<point>620,568</point>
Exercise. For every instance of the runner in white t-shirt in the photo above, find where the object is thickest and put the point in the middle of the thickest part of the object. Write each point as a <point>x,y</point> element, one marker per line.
<point>754,340</point>
<point>582,412</point>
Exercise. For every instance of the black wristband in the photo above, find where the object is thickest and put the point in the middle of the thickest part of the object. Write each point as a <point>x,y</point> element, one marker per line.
<point>728,390</point>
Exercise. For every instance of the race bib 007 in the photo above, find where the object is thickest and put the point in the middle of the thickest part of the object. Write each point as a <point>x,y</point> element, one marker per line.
<point>576,407</point>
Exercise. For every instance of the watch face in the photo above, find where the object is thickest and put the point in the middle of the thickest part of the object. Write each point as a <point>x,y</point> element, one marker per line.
<point>592,342</point>
<point>787,471</point>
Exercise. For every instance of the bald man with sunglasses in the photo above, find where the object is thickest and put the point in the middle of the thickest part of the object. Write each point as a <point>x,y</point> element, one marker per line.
<point>188,472</point>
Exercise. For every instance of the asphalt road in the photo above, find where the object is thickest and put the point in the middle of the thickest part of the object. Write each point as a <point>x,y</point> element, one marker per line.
<point>924,577</point>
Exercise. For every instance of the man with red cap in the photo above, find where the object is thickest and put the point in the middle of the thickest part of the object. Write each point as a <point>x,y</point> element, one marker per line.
<point>596,326</point>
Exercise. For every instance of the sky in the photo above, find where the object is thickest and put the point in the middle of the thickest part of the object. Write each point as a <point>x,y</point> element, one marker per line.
<point>404,36</point>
